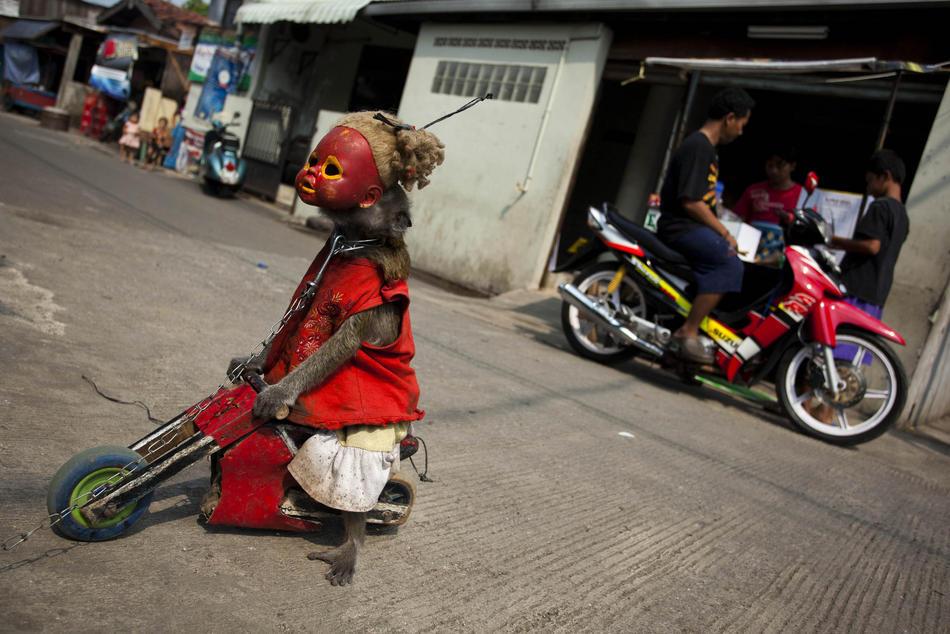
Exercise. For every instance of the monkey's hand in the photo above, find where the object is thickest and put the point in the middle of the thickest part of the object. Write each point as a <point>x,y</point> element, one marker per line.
<point>270,401</point>
<point>253,362</point>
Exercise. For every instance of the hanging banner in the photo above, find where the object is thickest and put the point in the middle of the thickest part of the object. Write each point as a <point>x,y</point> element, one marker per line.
<point>118,52</point>
<point>111,82</point>
<point>21,63</point>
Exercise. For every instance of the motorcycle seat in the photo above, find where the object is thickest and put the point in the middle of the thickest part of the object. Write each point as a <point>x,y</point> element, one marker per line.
<point>645,238</point>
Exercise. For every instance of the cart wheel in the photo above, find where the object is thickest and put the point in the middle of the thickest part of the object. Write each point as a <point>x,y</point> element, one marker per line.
<point>81,475</point>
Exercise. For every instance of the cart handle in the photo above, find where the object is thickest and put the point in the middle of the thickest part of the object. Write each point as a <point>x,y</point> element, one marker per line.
<point>256,381</point>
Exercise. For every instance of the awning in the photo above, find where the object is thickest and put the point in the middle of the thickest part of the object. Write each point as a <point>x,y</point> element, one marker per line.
<point>27,30</point>
<point>853,65</point>
<point>303,11</point>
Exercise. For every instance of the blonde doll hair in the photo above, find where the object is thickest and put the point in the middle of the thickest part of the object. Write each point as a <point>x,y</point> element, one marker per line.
<point>404,156</point>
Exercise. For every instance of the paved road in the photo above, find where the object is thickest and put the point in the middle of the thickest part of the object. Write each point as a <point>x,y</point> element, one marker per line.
<point>567,496</point>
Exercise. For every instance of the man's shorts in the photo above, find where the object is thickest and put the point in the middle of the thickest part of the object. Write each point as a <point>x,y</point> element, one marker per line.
<point>715,266</point>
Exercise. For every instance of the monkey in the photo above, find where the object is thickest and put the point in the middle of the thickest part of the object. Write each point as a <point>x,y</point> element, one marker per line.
<point>357,176</point>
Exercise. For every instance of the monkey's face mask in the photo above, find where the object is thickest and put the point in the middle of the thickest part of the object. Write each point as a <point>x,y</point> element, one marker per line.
<point>340,173</point>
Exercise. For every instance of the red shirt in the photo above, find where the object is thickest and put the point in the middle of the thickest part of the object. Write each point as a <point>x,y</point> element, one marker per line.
<point>377,386</point>
<point>761,203</point>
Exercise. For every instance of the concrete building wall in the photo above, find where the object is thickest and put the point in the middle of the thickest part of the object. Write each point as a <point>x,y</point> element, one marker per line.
<point>489,218</point>
<point>919,306</point>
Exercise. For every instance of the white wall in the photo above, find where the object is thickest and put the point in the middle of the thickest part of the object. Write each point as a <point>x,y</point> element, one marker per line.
<point>919,305</point>
<point>472,225</point>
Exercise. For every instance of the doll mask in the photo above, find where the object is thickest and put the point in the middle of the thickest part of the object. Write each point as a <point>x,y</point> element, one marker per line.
<point>340,173</point>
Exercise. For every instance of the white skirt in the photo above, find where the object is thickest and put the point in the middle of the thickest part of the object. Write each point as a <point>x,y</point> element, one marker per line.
<point>344,478</point>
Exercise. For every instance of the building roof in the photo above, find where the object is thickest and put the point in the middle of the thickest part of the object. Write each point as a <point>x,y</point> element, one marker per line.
<point>168,12</point>
<point>160,14</point>
<point>27,30</point>
<point>303,11</point>
<point>421,7</point>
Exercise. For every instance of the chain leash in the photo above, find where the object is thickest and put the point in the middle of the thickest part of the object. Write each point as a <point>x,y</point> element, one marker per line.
<point>337,245</point>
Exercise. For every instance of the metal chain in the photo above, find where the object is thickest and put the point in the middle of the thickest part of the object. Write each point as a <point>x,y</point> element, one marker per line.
<point>337,245</point>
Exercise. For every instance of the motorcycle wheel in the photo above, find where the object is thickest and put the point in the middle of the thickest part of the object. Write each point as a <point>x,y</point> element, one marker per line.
<point>75,481</point>
<point>584,336</point>
<point>212,188</point>
<point>873,398</point>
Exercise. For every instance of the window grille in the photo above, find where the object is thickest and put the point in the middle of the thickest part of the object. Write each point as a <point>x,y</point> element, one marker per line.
<point>507,82</point>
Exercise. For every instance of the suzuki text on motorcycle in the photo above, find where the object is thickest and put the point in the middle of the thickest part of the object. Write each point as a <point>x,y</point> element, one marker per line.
<point>835,375</point>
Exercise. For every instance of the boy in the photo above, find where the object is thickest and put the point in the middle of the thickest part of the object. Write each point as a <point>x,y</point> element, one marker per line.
<point>769,205</point>
<point>868,267</point>
<point>688,223</point>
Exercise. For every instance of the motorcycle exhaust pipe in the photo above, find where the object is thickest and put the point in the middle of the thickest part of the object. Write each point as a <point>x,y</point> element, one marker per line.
<point>573,296</point>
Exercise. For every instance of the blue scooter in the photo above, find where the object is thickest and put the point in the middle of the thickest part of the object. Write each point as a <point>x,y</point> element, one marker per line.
<point>221,170</point>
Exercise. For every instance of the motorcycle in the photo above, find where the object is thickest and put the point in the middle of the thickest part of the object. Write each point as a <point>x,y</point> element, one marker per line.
<point>112,130</point>
<point>221,170</point>
<point>834,374</point>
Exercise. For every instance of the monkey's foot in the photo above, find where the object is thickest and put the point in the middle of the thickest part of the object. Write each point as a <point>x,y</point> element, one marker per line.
<point>342,562</point>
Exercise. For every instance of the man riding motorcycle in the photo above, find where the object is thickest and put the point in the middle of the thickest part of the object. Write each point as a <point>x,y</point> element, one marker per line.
<point>689,224</point>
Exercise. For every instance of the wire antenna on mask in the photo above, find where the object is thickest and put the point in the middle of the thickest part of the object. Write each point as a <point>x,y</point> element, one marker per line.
<point>379,116</point>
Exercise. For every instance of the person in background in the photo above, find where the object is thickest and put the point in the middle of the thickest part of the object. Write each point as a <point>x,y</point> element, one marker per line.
<point>768,206</point>
<point>870,256</point>
<point>129,142</point>
<point>688,223</point>
<point>159,143</point>
<point>868,266</point>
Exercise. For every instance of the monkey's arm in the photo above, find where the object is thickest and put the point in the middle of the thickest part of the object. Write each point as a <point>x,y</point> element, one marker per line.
<point>378,326</point>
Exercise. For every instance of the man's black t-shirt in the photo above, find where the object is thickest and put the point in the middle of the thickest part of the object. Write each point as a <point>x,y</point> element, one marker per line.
<point>694,169</point>
<point>869,277</point>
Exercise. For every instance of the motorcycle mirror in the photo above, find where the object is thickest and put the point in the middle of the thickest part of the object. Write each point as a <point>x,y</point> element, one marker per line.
<point>811,182</point>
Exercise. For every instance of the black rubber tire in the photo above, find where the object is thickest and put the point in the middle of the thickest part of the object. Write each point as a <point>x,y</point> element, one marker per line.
<point>607,359</point>
<point>71,474</point>
<point>871,434</point>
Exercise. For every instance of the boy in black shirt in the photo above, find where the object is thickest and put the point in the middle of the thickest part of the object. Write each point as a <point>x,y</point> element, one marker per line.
<point>688,223</point>
<point>868,267</point>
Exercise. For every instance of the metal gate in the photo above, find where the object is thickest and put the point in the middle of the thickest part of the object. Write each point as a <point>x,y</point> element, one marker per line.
<point>265,146</point>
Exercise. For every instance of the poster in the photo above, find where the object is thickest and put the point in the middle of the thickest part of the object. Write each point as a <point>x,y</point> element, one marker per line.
<point>840,210</point>
<point>209,44</point>
<point>201,60</point>
<point>224,73</point>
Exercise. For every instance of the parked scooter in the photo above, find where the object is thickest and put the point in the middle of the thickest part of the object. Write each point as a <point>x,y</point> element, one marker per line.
<point>221,169</point>
<point>112,130</point>
<point>834,374</point>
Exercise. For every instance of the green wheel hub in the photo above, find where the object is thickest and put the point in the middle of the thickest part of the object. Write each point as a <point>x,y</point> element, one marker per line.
<point>83,490</point>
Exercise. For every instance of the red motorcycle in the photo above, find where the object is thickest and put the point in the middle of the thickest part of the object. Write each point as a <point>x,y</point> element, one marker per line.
<point>834,373</point>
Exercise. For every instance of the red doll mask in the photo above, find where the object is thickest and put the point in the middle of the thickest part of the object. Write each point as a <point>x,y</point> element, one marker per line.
<point>341,173</point>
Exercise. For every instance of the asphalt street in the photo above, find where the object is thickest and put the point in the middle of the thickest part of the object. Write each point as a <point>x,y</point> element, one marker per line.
<point>566,496</point>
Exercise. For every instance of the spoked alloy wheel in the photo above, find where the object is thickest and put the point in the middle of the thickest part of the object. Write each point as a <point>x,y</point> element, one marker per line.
<point>871,399</point>
<point>586,337</point>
